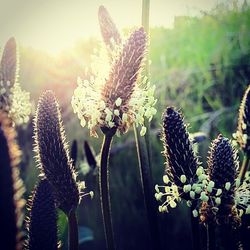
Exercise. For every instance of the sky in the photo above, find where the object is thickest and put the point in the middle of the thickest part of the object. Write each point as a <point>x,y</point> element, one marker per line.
<point>53,25</point>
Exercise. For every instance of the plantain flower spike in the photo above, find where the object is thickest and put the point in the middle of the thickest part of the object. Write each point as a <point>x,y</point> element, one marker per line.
<point>53,154</point>
<point>42,221</point>
<point>11,187</point>
<point>13,100</point>
<point>116,96</point>
<point>110,33</point>
<point>243,133</point>
<point>182,177</point>
<point>222,171</point>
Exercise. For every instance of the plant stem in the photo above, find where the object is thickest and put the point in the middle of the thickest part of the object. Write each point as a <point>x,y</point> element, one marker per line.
<point>244,168</point>
<point>195,230</point>
<point>73,231</point>
<point>146,181</point>
<point>211,244</point>
<point>144,156</point>
<point>104,189</point>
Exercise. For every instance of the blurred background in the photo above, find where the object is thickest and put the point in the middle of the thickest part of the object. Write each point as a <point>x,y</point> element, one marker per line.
<point>200,63</point>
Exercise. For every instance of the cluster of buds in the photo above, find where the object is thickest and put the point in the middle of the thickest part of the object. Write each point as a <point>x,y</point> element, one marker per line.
<point>214,194</point>
<point>116,96</point>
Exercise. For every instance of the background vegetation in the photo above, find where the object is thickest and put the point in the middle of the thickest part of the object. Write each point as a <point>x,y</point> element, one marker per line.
<point>202,66</point>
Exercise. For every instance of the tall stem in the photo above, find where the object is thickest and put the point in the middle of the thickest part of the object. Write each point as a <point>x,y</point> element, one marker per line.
<point>211,243</point>
<point>144,156</point>
<point>73,231</point>
<point>244,168</point>
<point>104,190</point>
<point>195,230</point>
<point>146,180</point>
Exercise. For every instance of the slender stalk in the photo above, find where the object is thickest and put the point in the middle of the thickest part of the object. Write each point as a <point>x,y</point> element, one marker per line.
<point>244,168</point>
<point>145,24</point>
<point>211,244</point>
<point>144,157</point>
<point>73,231</point>
<point>104,190</point>
<point>195,230</point>
<point>146,180</point>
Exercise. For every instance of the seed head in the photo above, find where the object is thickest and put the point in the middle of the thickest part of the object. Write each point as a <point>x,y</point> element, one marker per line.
<point>13,100</point>
<point>8,73</point>
<point>222,170</point>
<point>109,31</point>
<point>125,70</point>
<point>180,158</point>
<point>115,96</point>
<point>11,186</point>
<point>52,153</point>
<point>42,221</point>
<point>243,133</point>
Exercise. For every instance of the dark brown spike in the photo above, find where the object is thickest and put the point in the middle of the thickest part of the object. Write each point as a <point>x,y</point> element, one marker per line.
<point>53,154</point>
<point>180,157</point>
<point>8,73</point>
<point>222,168</point>
<point>42,221</point>
<point>125,70</point>
<point>110,33</point>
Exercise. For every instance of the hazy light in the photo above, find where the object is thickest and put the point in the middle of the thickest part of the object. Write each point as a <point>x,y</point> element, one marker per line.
<point>52,25</point>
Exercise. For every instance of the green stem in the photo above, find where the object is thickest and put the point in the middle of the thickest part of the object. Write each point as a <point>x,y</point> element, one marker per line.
<point>244,168</point>
<point>73,231</point>
<point>104,189</point>
<point>147,188</point>
<point>195,230</point>
<point>143,146</point>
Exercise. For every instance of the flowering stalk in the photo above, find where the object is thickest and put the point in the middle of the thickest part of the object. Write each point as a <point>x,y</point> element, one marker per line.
<point>13,100</point>
<point>243,133</point>
<point>144,155</point>
<point>220,208</point>
<point>54,161</point>
<point>104,187</point>
<point>183,178</point>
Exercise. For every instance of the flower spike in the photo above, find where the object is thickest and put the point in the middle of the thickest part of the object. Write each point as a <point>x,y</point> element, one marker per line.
<point>183,179</point>
<point>109,31</point>
<point>222,171</point>
<point>116,97</point>
<point>13,100</point>
<point>42,221</point>
<point>243,133</point>
<point>53,154</point>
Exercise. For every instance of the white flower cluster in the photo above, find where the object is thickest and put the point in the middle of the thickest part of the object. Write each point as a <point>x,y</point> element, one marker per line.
<point>203,190</point>
<point>93,112</point>
<point>16,103</point>
<point>20,108</point>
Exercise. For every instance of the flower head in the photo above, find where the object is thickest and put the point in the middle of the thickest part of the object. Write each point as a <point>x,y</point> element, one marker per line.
<point>42,221</point>
<point>110,33</point>
<point>115,96</point>
<point>222,170</point>
<point>13,100</point>
<point>183,178</point>
<point>243,133</point>
<point>53,154</point>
